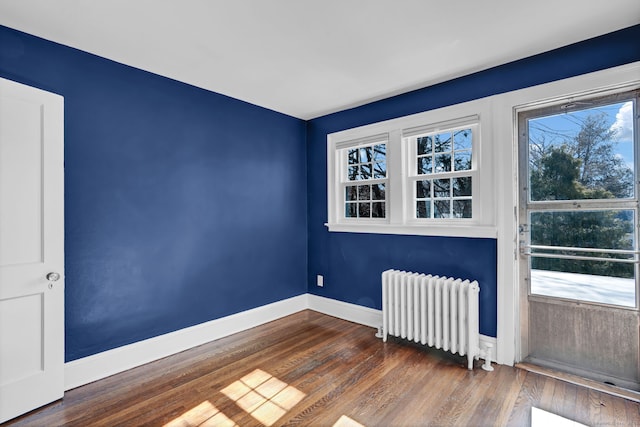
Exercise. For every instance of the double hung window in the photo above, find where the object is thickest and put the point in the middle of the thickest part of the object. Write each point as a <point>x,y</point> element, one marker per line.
<point>364,179</point>
<point>414,175</point>
<point>442,173</point>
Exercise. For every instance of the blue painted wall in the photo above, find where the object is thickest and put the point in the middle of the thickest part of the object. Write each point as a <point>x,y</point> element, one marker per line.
<point>352,263</point>
<point>181,205</point>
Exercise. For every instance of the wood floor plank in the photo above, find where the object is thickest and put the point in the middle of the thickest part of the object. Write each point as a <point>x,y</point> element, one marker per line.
<point>528,397</point>
<point>393,390</point>
<point>423,406</point>
<point>498,405</point>
<point>581,413</point>
<point>309,369</point>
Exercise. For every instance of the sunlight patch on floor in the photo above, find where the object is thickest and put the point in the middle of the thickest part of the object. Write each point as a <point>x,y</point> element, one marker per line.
<point>263,396</point>
<point>540,418</point>
<point>345,421</point>
<point>259,394</point>
<point>205,414</point>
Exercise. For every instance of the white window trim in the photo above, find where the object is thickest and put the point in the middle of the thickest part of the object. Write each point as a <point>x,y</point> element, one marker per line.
<point>400,216</point>
<point>502,151</point>
<point>506,107</point>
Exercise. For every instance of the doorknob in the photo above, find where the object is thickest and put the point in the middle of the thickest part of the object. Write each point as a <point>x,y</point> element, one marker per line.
<point>53,277</point>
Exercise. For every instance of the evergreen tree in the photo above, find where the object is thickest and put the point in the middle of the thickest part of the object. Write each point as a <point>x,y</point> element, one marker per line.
<point>584,167</point>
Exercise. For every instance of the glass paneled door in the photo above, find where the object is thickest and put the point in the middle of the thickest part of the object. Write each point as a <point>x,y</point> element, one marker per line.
<point>578,232</point>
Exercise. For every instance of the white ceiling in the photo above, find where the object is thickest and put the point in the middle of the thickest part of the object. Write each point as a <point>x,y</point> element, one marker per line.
<point>308,58</point>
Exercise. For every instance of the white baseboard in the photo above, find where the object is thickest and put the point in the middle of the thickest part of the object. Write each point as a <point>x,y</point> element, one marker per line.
<point>92,368</point>
<point>370,317</point>
<point>110,362</point>
<point>346,311</point>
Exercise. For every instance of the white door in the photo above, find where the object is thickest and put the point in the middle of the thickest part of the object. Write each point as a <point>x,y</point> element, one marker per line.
<point>31,249</point>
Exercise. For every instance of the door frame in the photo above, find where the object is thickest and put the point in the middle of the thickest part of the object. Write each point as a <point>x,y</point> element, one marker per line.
<point>610,84</point>
<point>596,98</point>
<point>570,307</point>
<point>504,137</point>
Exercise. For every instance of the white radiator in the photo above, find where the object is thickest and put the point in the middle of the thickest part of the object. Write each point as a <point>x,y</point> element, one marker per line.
<point>440,312</point>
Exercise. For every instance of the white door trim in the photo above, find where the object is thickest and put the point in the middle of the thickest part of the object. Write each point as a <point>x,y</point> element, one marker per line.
<point>505,122</point>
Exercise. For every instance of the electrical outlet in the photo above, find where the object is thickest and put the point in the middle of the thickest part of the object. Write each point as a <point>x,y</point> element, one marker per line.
<point>320,280</point>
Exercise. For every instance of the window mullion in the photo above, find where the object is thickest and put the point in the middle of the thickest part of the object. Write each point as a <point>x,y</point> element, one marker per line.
<point>396,171</point>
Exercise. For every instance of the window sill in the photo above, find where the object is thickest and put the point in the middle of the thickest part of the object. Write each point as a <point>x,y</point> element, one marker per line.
<point>479,231</point>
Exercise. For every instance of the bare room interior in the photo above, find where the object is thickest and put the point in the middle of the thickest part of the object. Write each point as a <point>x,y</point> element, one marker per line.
<point>337,213</point>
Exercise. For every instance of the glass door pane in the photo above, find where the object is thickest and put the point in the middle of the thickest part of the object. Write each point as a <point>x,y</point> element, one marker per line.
<point>582,202</point>
<point>582,154</point>
<point>584,255</point>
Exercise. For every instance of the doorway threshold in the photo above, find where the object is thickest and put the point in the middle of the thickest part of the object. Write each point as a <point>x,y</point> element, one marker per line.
<point>624,393</point>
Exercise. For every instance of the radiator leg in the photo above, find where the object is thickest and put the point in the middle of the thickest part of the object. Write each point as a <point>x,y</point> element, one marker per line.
<point>379,334</point>
<point>487,357</point>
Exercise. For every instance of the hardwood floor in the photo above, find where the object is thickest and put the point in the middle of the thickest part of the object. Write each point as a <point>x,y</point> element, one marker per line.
<point>316,370</point>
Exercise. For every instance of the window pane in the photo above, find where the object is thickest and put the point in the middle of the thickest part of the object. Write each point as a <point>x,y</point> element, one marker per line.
<point>365,171</point>
<point>462,208</point>
<point>584,154</point>
<point>452,151</point>
<point>353,156</point>
<point>442,142</point>
<point>443,162</point>
<point>604,229</point>
<point>364,192</point>
<point>585,267</point>
<point>380,170</point>
<point>603,281</point>
<point>462,139</point>
<point>366,154</point>
<point>441,209</point>
<point>423,189</point>
<point>351,210</point>
<point>462,186</point>
<point>423,209</point>
<point>425,145</point>
<point>364,164</point>
<point>442,188</point>
<point>351,192</point>
<point>425,165</point>
<point>595,281</point>
<point>353,173</point>
<point>462,160</point>
<point>364,210</point>
<point>377,210</point>
<point>378,192</point>
<point>379,152</point>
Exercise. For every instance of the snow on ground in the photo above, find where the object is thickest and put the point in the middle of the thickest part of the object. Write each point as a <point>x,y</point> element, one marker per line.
<point>584,287</point>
